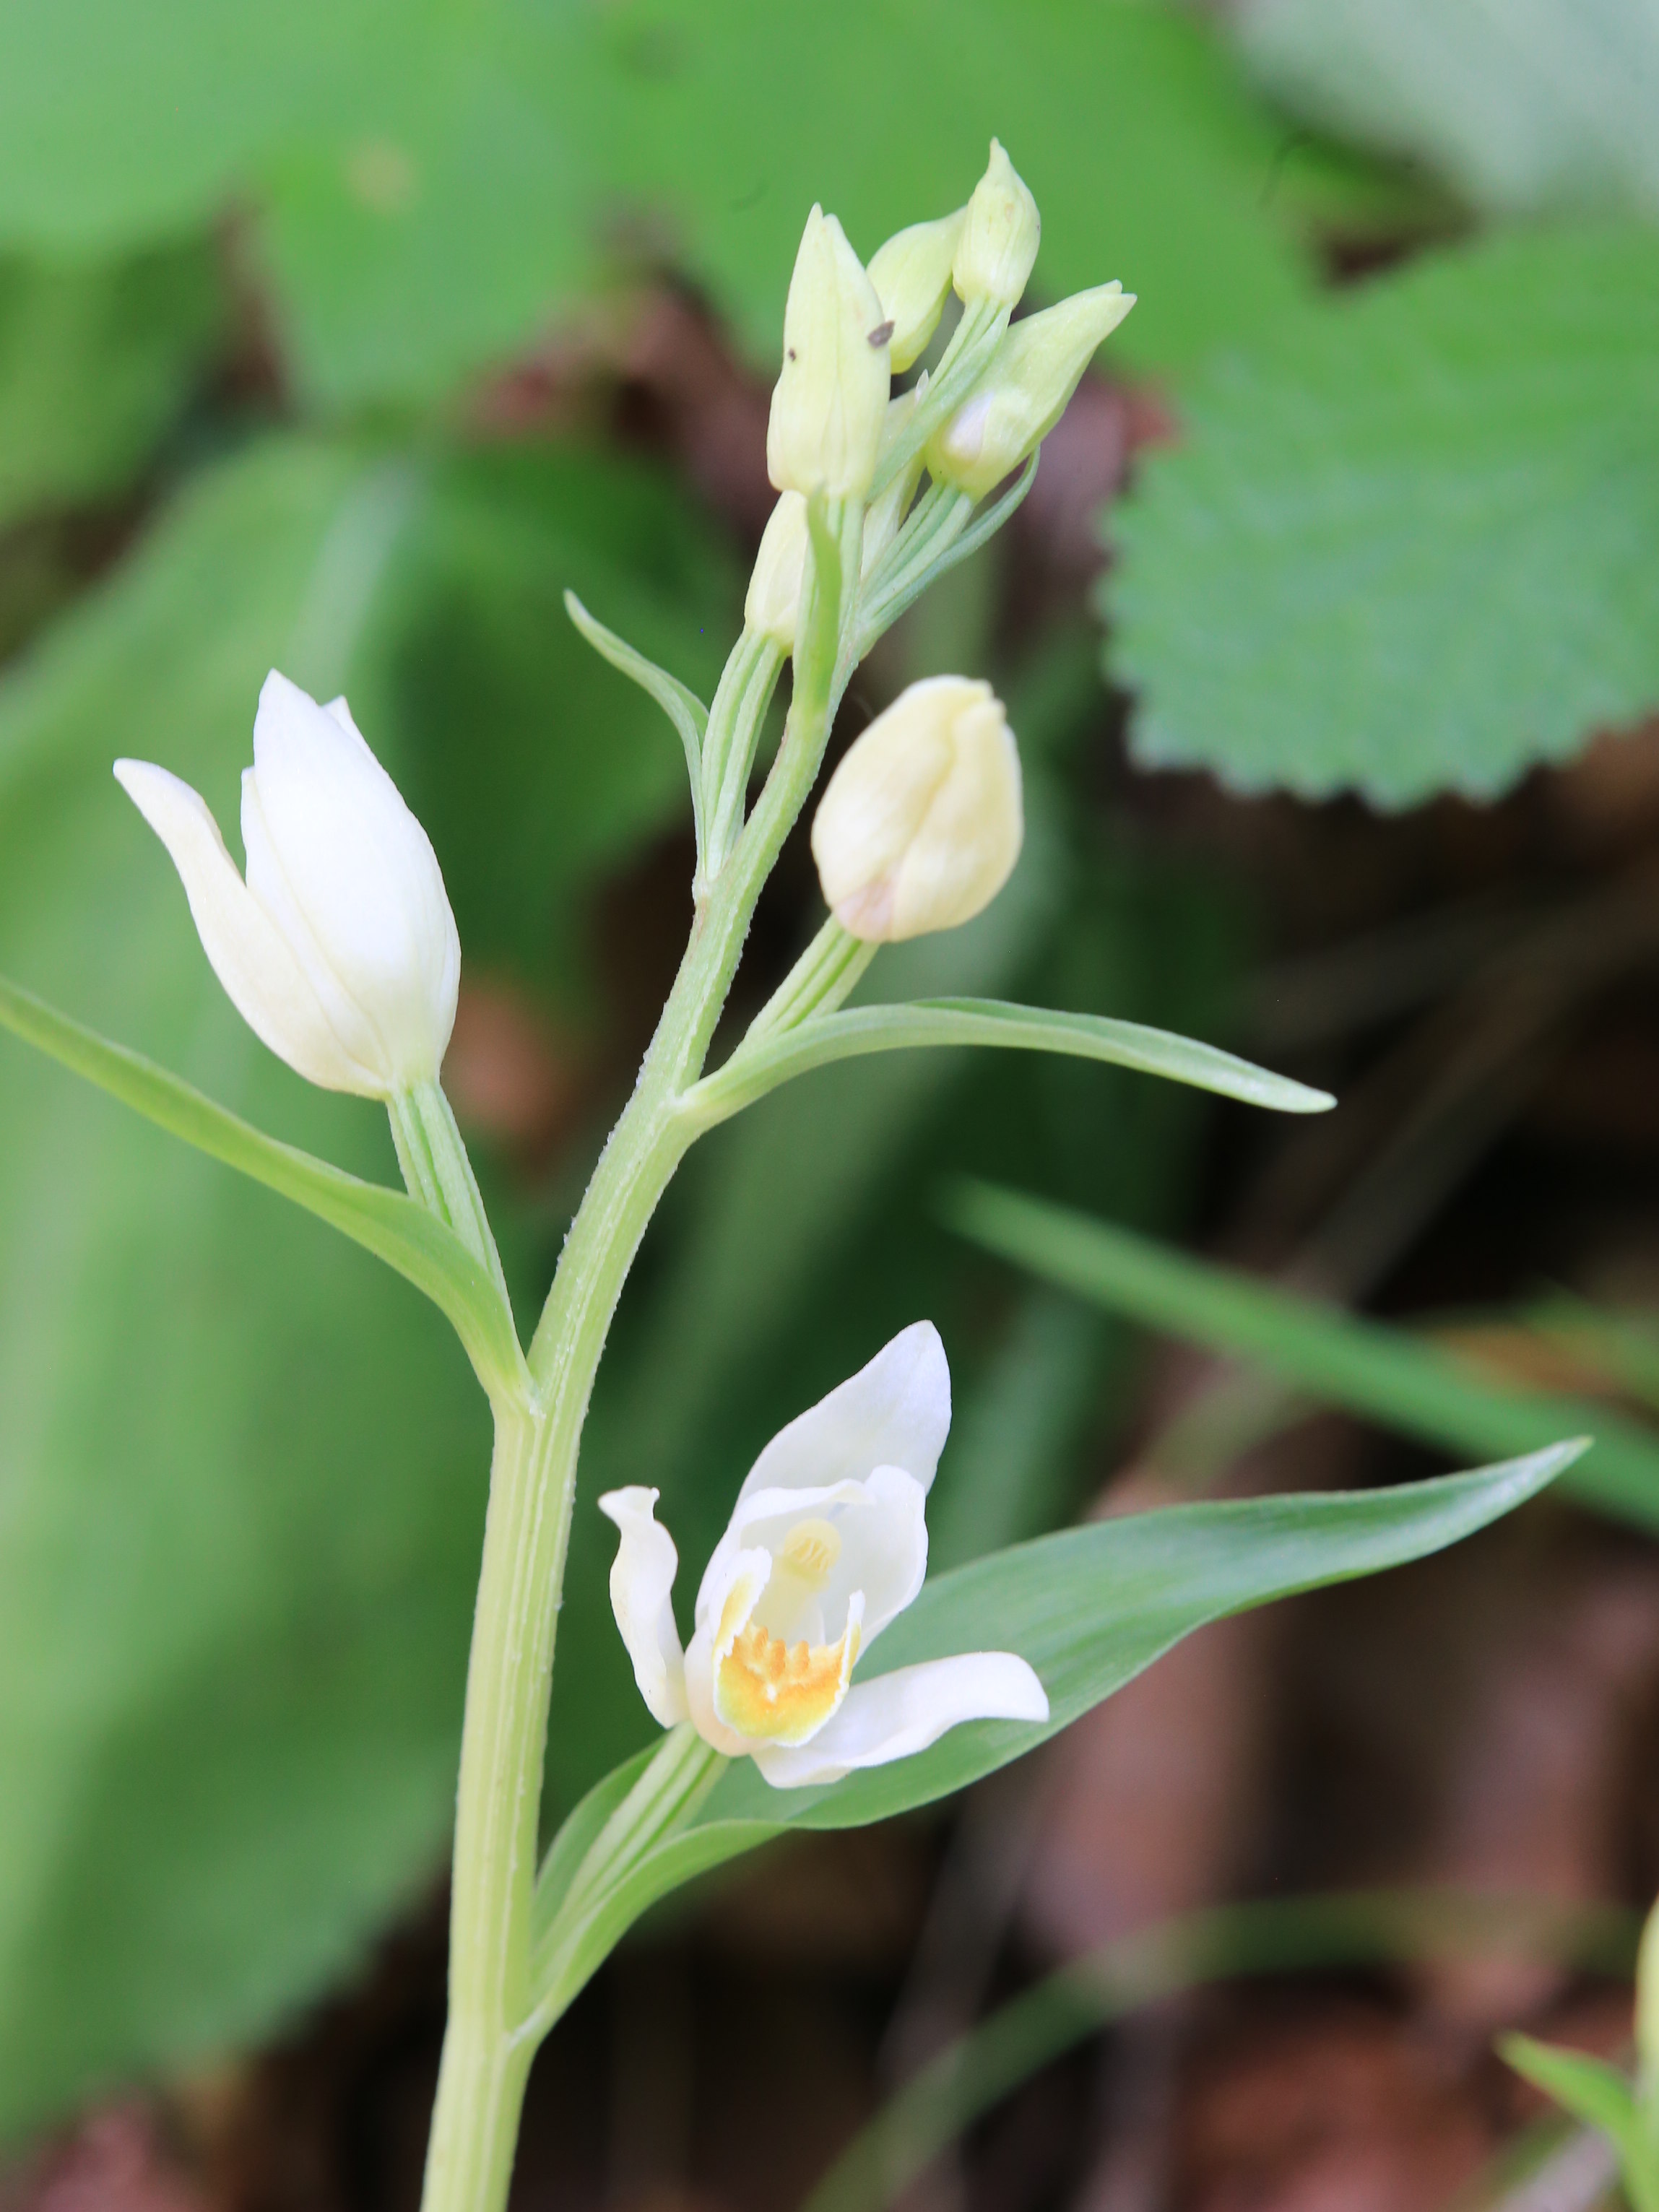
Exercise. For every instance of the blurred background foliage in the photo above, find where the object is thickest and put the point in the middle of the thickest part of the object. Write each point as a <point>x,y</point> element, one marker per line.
<point>346,338</point>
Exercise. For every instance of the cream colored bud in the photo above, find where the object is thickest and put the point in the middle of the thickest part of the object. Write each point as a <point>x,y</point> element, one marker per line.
<point>830,400</point>
<point>1034,372</point>
<point>921,824</point>
<point>912,277</point>
<point>771,608</point>
<point>998,242</point>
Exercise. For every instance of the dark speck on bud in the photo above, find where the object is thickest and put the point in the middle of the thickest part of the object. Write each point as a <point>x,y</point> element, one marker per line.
<point>791,352</point>
<point>882,332</point>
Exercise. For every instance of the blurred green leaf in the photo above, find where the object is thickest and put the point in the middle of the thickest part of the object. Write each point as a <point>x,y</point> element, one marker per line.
<point>1410,540</point>
<point>1589,2088</point>
<point>435,184</point>
<point>243,1464</point>
<point>1147,156</point>
<point>424,1249</point>
<point>1091,1609</point>
<point>536,765</point>
<point>1525,109</point>
<point>1287,1934</point>
<point>1383,1373</point>
<point>96,364</point>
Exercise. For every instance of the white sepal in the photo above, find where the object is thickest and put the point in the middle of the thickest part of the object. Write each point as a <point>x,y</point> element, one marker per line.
<point>900,1714</point>
<point>340,949</point>
<point>641,1583</point>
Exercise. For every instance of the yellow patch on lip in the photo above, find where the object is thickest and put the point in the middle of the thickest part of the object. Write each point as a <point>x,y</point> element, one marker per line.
<point>783,1692</point>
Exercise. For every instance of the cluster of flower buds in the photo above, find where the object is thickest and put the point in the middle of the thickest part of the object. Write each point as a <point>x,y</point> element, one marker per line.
<point>921,824</point>
<point>847,331</point>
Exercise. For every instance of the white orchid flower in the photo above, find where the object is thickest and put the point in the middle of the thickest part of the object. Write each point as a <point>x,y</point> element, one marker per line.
<point>339,950</point>
<point>828,1544</point>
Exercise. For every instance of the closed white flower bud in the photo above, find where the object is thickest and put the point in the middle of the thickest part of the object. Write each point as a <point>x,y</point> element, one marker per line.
<point>921,825</point>
<point>1032,374</point>
<point>772,606</point>
<point>830,398</point>
<point>999,241</point>
<point>339,950</point>
<point>912,277</point>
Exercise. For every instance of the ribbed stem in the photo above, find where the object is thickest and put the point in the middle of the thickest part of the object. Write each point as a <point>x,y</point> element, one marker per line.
<point>492,2029</point>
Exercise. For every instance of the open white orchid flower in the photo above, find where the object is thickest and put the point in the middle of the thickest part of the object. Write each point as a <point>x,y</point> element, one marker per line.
<point>339,950</point>
<point>828,1544</point>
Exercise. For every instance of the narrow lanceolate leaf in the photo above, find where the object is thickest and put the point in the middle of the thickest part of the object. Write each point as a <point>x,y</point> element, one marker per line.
<point>677,700</point>
<point>1589,2088</point>
<point>1383,1373</point>
<point>753,1070</point>
<point>1089,1608</point>
<point>385,1222</point>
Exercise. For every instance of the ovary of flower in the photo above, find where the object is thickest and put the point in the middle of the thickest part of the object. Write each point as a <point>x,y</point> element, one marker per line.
<point>339,950</point>
<point>921,825</point>
<point>1033,373</point>
<point>831,398</point>
<point>828,1544</point>
<point>772,607</point>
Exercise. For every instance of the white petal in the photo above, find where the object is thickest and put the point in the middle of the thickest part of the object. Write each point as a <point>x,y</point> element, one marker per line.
<point>341,848</point>
<point>263,980</point>
<point>894,1412</point>
<point>901,1713</point>
<point>641,1579</point>
<point>883,1531</point>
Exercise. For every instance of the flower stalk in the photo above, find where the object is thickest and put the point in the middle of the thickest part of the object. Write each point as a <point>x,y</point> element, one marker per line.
<point>492,2034</point>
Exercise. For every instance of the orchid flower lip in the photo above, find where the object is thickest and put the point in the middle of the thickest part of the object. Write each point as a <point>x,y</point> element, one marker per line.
<point>826,1547</point>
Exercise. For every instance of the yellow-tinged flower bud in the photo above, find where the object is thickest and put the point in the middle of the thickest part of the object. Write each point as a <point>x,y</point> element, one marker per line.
<point>998,241</point>
<point>830,400</point>
<point>1032,374</point>
<point>921,824</point>
<point>771,608</point>
<point>912,277</point>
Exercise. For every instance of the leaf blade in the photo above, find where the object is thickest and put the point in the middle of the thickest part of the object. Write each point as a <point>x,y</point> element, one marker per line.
<point>1090,1607</point>
<point>1361,1365</point>
<point>385,1222</point>
<point>752,1072</point>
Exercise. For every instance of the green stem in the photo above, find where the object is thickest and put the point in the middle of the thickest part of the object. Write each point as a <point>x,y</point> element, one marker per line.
<point>490,2034</point>
<point>437,1171</point>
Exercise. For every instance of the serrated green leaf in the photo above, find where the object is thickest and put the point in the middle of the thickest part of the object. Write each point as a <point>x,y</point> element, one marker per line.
<point>1409,542</point>
<point>756,1069</point>
<point>96,364</point>
<point>1383,1373</point>
<point>1524,110</point>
